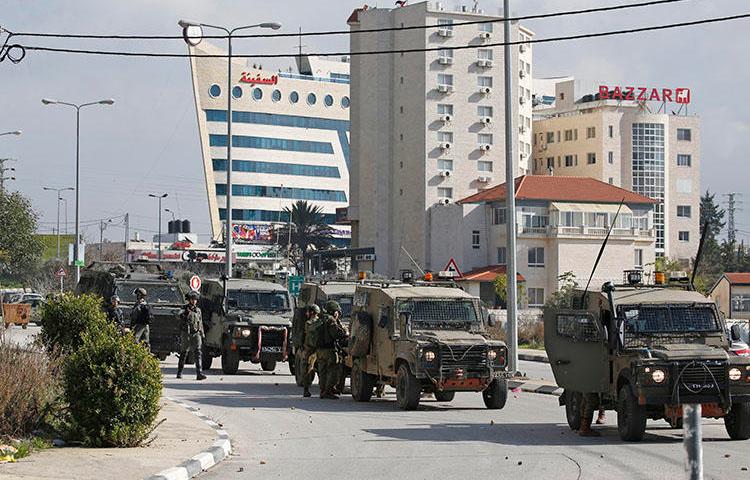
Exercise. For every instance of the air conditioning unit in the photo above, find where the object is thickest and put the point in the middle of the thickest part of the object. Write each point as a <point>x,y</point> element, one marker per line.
<point>445,88</point>
<point>446,145</point>
<point>483,62</point>
<point>485,147</point>
<point>445,173</point>
<point>445,60</point>
<point>484,179</point>
<point>521,73</point>
<point>485,90</point>
<point>445,32</point>
<point>485,35</point>
<point>522,48</point>
<point>486,120</point>
<point>522,100</point>
<point>446,118</point>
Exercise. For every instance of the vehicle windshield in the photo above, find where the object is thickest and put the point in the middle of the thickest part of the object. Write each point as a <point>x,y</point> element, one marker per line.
<point>440,313</point>
<point>157,293</point>
<point>346,303</point>
<point>255,300</point>
<point>657,319</point>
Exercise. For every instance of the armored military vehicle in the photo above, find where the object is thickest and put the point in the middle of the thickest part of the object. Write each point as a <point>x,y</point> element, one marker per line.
<point>165,295</point>
<point>423,337</point>
<point>643,351</point>
<point>253,325</point>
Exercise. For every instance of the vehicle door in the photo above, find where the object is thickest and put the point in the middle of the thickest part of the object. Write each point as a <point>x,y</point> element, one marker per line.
<point>385,334</point>
<point>577,350</point>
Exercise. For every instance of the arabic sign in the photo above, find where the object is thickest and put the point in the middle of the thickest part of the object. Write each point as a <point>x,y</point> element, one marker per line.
<point>645,94</point>
<point>257,79</point>
<point>252,233</point>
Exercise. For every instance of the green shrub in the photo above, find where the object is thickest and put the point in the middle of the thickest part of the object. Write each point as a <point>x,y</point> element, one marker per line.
<point>112,386</point>
<point>66,318</point>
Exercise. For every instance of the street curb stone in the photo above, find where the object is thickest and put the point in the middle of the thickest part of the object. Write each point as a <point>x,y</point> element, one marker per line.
<point>533,387</point>
<point>206,459</point>
<point>530,357</point>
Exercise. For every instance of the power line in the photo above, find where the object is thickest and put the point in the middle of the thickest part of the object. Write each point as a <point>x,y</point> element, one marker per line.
<point>410,50</point>
<point>347,32</point>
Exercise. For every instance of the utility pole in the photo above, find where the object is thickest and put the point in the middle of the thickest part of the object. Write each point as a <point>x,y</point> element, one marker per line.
<point>510,199</point>
<point>59,198</point>
<point>127,235</point>
<point>4,169</point>
<point>159,198</point>
<point>732,209</point>
<point>102,227</point>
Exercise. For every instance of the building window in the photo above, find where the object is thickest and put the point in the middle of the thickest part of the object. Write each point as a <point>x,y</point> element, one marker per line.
<point>445,137</point>
<point>484,54</point>
<point>445,24</point>
<point>611,131</point>
<point>445,79</point>
<point>267,143</point>
<point>611,181</point>
<point>311,98</point>
<point>277,168</point>
<point>484,138</point>
<point>502,256</point>
<point>294,97</point>
<point>590,132</point>
<point>591,158</point>
<point>214,91</point>
<point>536,257</point>
<point>550,137</point>
<point>445,165</point>
<point>444,109</point>
<point>345,102</point>
<point>445,192</point>
<point>638,261</point>
<point>536,297</point>
<point>475,239</point>
<point>684,211</point>
<point>401,109</point>
<point>568,135</point>
<point>550,162</point>
<point>257,93</point>
<point>484,166</point>
<point>485,27</point>
<point>484,81</point>
<point>684,160</point>
<point>683,134</point>
<point>683,236</point>
<point>610,157</point>
<point>568,160</point>
<point>684,185</point>
<point>237,91</point>
<point>498,216</point>
<point>276,95</point>
<point>282,192</point>
<point>484,111</point>
<point>445,53</point>
<point>328,101</point>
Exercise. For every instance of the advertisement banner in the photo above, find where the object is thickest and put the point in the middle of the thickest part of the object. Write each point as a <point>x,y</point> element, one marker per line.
<point>252,233</point>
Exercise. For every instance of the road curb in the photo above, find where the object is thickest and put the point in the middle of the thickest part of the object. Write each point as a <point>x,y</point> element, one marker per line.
<point>532,387</point>
<point>206,459</point>
<point>530,357</point>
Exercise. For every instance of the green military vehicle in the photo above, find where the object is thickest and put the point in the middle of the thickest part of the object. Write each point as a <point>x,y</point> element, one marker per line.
<point>166,295</point>
<point>254,325</point>
<point>423,337</point>
<point>644,351</point>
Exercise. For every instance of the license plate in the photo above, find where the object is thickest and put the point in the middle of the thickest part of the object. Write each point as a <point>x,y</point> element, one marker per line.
<point>271,349</point>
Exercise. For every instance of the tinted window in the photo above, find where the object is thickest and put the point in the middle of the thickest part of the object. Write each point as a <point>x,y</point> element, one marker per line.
<point>250,300</point>
<point>157,293</point>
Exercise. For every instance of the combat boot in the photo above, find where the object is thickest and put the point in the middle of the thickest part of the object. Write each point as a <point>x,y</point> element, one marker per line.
<point>306,393</point>
<point>180,365</point>
<point>585,430</point>
<point>198,364</point>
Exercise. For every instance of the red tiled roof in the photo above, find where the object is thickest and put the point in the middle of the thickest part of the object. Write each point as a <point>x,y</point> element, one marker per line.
<point>560,189</point>
<point>488,274</point>
<point>738,278</point>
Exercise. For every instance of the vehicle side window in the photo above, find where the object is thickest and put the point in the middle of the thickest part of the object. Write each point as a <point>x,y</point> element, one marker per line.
<point>383,316</point>
<point>580,327</point>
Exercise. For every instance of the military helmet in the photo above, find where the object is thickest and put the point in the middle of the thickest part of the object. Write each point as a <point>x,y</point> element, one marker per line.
<point>332,306</point>
<point>314,308</point>
<point>192,294</point>
<point>114,298</point>
<point>140,292</point>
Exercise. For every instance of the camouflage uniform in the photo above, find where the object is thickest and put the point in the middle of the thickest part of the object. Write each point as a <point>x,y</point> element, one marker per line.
<point>191,336</point>
<point>141,317</point>
<point>307,362</point>
<point>329,361</point>
<point>114,312</point>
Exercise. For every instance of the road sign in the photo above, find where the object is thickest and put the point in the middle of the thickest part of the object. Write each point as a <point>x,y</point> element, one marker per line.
<point>60,272</point>
<point>195,283</point>
<point>295,283</point>
<point>453,268</point>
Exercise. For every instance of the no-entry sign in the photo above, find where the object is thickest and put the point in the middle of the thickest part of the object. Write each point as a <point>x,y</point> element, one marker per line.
<point>195,282</point>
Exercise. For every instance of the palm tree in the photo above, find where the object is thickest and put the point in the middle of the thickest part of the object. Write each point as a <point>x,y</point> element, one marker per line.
<point>309,230</point>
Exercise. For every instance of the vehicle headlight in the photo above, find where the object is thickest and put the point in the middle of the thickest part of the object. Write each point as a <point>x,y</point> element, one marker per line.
<point>428,355</point>
<point>492,355</point>
<point>735,374</point>
<point>245,332</point>
<point>658,376</point>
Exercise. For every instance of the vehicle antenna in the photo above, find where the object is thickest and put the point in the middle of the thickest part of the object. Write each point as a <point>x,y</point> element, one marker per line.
<point>704,234</point>
<point>601,251</point>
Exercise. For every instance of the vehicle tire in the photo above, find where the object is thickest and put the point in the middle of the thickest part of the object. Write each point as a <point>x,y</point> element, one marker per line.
<point>496,394</point>
<point>573,402</point>
<point>362,384</point>
<point>445,396</point>
<point>230,361</point>
<point>268,365</point>
<point>631,417</point>
<point>25,326</point>
<point>408,389</point>
<point>206,358</point>
<point>737,421</point>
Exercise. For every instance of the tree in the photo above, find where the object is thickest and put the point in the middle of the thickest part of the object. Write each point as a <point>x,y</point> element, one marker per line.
<point>715,256</point>
<point>20,248</point>
<point>501,290</point>
<point>566,295</point>
<point>309,230</point>
<point>712,214</point>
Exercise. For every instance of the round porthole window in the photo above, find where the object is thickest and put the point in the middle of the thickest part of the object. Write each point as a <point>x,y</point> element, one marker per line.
<point>311,99</point>
<point>257,93</point>
<point>214,90</point>
<point>294,97</point>
<point>328,100</point>
<point>276,95</point>
<point>237,91</point>
<point>345,102</point>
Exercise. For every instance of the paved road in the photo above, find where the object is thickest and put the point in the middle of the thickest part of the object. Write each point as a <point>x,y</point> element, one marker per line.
<point>278,434</point>
<point>21,336</point>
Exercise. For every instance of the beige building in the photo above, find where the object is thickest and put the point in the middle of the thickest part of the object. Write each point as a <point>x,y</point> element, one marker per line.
<point>732,295</point>
<point>427,127</point>
<point>624,143</point>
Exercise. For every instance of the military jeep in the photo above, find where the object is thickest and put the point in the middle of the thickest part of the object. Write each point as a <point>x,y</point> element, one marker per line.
<point>166,295</point>
<point>423,337</point>
<point>644,351</point>
<point>253,326</point>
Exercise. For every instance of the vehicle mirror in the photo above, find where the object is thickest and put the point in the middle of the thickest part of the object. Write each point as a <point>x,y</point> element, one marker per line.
<point>735,333</point>
<point>491,319</point>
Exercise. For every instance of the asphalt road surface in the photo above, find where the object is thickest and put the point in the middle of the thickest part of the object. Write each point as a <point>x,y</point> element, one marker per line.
<point>278,434</point>
<point>20,336</point>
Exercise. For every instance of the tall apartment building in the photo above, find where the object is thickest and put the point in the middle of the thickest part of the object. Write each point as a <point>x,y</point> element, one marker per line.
<point>625,143</point>
<point>427,127</point>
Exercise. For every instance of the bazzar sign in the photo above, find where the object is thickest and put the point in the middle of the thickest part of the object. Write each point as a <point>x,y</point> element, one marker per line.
<point>645,94</point>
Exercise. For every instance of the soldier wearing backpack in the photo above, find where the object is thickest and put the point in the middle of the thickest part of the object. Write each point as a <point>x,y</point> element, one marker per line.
<point>309,341</point>
<point>329,360</point>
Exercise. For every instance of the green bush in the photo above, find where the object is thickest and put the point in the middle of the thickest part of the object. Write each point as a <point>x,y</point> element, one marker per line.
<point>112,386</point>
<point>67,317</point>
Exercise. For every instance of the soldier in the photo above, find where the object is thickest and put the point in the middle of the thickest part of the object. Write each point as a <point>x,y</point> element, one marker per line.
<point>309,343</point>
<point>191,335</point>
<point>114,312</point>
<point>589,405</point>
<point>329,361</point>
<point>141,317</point>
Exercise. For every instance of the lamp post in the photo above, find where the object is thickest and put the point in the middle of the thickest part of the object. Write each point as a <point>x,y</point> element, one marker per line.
<point>59,197</point>
<point>192,32</point>
<point>159,197</point>
<point>78,107</point>
<point>14,132</point>
<point>170,211</point>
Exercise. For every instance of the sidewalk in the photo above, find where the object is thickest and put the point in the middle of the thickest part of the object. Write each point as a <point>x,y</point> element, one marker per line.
<point>180,437</point>
<point>532,355</point>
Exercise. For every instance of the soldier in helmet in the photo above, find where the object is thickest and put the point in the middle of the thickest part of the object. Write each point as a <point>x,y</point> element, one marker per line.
<point>141,317</point>
<point>329,360</point>
<point>309,342</point>
<point>191,335</point>
<point>114,312</point>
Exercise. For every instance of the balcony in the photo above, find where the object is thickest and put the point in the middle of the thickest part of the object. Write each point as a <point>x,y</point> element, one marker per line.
<point>580,232</point>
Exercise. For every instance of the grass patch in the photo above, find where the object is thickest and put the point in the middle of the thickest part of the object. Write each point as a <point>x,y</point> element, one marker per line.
<point>16,449</point>
<point>532,345</point>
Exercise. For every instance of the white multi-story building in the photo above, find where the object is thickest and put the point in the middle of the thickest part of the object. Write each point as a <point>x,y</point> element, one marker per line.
<point>428,127</point>
<point>628,144</point>
<point>290,135</point>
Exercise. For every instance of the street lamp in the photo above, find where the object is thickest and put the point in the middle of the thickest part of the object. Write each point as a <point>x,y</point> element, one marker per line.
<point>159,197</point>
<point>170,211</point>
<point>59,197</point>
<point>192,32</point>
<point>48,101</point>
<point>14,132</point>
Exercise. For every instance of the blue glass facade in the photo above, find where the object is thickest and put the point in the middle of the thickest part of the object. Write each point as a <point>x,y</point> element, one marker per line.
<point>268,143</point>
<point>265,216</point>
<point>282,192</point>
<point>277,168</point>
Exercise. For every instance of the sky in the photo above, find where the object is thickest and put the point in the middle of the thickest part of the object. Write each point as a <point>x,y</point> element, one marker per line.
<point>147,142</point>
